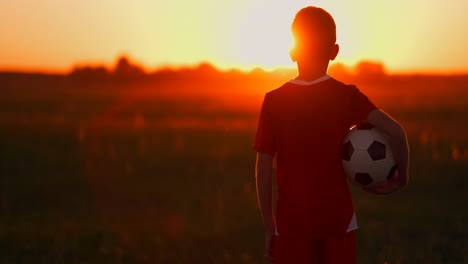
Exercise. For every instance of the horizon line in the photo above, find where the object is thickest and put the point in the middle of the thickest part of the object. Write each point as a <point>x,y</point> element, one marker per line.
<point>218,67</point>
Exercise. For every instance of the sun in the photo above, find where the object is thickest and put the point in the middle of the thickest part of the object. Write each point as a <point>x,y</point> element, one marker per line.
<point>262,35</point>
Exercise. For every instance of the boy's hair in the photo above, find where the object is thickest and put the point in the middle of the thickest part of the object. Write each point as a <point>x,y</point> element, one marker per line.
<point>313,26</point>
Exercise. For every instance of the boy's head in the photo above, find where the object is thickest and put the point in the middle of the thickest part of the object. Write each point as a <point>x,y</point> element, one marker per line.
<point>314,34</point>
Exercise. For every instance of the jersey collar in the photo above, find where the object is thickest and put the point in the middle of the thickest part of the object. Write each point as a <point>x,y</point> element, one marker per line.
<point>301,82</point>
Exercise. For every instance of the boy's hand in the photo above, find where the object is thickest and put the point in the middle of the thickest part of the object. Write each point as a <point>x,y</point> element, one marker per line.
<point>385,188</point>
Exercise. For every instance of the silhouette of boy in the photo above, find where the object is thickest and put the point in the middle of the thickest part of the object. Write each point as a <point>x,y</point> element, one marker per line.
<point>304,123</point>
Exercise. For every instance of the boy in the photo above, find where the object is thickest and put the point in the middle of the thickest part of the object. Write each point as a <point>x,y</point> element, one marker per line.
<point>303,123</point>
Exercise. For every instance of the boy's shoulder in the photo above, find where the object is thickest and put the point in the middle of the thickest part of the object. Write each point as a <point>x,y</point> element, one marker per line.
<point>289,86</point>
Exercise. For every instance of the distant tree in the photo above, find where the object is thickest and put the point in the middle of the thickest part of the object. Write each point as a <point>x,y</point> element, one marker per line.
<point>369,69</point>
<point>125,70</point>
<point>206,68</point>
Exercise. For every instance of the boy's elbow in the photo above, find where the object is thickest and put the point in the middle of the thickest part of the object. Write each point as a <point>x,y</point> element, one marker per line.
<point>400,133</point>
<point>396,131</point>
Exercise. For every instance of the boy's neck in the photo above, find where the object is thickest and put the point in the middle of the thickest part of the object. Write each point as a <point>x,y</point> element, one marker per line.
<point>311,73</point>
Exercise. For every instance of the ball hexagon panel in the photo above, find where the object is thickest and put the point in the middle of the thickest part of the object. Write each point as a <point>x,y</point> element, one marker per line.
<point>361,139</point>
<point>377,150</point>
<point>360,161</point>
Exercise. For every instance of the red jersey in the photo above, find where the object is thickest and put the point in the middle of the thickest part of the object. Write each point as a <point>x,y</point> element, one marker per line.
<point>304,125</point>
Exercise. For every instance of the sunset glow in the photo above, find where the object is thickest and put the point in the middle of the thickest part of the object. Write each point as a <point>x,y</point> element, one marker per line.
<point>53,35</point>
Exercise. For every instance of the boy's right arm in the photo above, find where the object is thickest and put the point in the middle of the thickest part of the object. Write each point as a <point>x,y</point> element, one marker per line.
<point>398,144</point>
<point>264,179</point>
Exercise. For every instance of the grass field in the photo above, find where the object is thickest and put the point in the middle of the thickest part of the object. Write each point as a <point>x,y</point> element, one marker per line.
<point>130,176</point>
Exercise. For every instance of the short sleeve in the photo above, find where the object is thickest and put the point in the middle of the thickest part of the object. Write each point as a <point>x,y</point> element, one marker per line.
<point>265,139</point>
<point>361,106</point>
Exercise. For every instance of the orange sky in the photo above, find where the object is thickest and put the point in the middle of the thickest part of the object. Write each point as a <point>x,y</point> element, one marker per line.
<point>53,35</point>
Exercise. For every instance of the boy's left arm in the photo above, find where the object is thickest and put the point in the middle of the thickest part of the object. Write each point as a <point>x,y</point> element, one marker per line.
<point>400,148</point>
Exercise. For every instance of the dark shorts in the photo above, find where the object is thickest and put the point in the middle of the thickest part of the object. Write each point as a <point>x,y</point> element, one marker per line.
<point>332,250</point>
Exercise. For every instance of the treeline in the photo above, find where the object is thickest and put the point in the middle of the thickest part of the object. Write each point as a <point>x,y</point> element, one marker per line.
<point>126,70</point>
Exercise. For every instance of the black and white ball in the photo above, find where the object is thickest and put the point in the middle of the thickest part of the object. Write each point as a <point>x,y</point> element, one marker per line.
<point>367,157</point>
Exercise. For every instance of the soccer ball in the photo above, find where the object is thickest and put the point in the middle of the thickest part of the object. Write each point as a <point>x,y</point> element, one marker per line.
<point>367,157</point>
